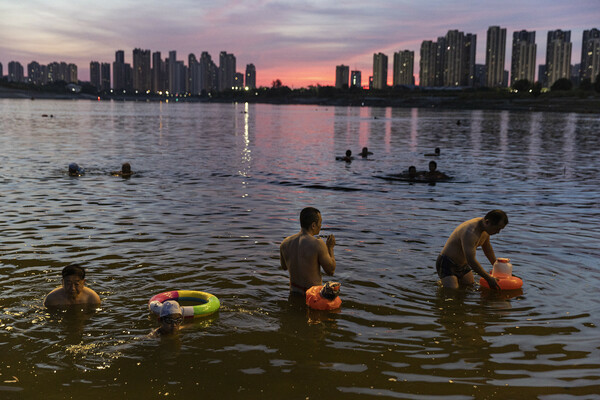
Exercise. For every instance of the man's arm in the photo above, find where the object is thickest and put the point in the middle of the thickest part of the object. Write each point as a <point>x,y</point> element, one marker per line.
<point>469,248</point>
<point>326,255</point>
<point>489,251</point>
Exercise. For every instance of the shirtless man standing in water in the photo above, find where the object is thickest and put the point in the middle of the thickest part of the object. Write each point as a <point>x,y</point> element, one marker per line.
<point>303,255</point>
<point>73,290</point>
<point>456,262</point>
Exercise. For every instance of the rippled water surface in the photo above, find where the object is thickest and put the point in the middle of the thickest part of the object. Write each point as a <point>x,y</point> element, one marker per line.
<point>218,186</point>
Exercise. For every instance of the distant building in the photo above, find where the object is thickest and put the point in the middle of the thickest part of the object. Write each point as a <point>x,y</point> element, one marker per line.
<point>238,81</point>
<point>104,76</point>
<point>558,56</point>
<point>193,78</point>
<point>227,71</point>
<point>342,76</point>
<point>34,73</point>
<point>158,73</point>
<point>380,69</point>
<point>427,63</point>
<point>72,74</point>
<point>95,75</point>
<point>355,79</point>
<point>15,72</point>
<point>494,56</point>
<point>250,80</point>
<point>542,75</point>
<point>590,55</point>
<point>523,57</point>
<point>209,73</point>
<point>404,63</point>
<point>142,70</point>
<point>480,76</point>
<point>1,73</point>
<point>119,70</point>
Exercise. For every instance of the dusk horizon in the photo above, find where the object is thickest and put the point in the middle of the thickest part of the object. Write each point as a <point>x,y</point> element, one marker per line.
<point>299,43</point>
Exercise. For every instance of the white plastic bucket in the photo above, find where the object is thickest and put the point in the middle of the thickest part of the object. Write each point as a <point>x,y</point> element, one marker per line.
<point>502,268</point>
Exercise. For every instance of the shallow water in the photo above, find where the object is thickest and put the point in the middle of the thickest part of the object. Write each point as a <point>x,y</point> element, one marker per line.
<point>218,186</point>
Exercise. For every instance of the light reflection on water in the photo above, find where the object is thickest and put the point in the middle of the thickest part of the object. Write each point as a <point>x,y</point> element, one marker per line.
<point>217,187</point>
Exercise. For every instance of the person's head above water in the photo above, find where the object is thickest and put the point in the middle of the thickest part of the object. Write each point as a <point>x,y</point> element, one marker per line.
<point>412,171</point>
<point>308,216</point>
<point>348,153</point>
<point>126,168</point>
<point>432,166</point>
<point>75,169</point>
<point>496,218</point>
<point>171,316</point>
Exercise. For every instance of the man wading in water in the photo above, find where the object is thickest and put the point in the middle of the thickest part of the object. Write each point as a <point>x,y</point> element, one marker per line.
<point>456,262</point>
<point>303,254</point>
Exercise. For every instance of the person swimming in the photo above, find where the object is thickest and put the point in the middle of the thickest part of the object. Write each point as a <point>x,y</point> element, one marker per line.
<point>365,152</point>
<point>435,154</point>
<point>348,157</point>
<point>124,172</point>
<point>433,174</point>
<point>75,170</point>
<point>171,317</point>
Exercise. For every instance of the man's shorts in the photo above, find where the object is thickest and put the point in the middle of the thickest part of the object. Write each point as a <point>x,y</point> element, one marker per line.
<point>446,267</point>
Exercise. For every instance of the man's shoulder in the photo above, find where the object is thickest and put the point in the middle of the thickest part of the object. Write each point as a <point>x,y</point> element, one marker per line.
<point>55,297</point>
<point>91,297</point>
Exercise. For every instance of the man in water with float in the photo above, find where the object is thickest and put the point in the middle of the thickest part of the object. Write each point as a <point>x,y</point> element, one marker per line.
<point>303,254</point>
<point>73,290</point>
<point>456,262</point>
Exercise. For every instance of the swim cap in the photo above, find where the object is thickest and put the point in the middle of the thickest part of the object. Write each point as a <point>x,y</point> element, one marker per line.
<point>73,167</point>
<point>170,307</point>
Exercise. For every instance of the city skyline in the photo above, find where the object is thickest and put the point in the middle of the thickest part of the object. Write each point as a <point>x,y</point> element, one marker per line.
<point>299,43</point>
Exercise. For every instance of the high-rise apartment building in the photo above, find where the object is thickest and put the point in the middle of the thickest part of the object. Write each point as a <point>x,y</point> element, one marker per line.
<point>250,76</point>
<point>590,55</point>
<point>158,73</point>
<point>194,78</point>
<point>238,81</point>
<point>227,71</point>
<point>95,75</point>
<point>355,79</point>
<point>142,70</point>
<point>15,72</point>
<point>494,56</point>
<point>558,56</point>
<point>404,64</point>
<point>523,58</point>
<point>34,73</point>
<point>427,63</point>
<point>72,73</point>
<point>208,72</point>
<point>1,72</point>
<point>380,69</point>
<point>119,70</point>
<point>342,76</point>
<point>104,76</point>
<point>469,53</point>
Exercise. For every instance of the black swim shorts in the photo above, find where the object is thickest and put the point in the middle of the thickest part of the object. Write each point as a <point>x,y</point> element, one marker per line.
<point>446,267</point>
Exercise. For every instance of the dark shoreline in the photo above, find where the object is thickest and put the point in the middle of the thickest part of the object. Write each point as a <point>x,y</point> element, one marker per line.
<point>578,102</point>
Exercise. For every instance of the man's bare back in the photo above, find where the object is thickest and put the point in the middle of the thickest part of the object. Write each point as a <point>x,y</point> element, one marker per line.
<point>303,255</point>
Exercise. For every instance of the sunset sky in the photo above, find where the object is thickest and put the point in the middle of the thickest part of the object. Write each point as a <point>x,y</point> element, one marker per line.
<point>299,42</point>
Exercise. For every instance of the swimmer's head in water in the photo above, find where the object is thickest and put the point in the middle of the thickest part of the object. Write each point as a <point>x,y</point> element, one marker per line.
<point>126,168</point>
<point>348,153</point>
<point>412,171</point>
<point>169,308</point>
<point>171,316</point>
<point>73,280</point>
<point>497,217</point>
<point>432,166</point>
<point>74,168</point>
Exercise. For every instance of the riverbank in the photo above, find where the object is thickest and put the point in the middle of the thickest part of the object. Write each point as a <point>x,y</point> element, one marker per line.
<point>580,102</point>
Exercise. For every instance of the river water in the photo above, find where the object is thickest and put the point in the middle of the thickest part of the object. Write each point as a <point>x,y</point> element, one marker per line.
<point>216,189</point>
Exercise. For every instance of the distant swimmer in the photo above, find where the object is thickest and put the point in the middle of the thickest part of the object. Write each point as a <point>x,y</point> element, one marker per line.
<point>75,170</point>
<point>73,290</point>
<point>170,318</point>
<point>458,122</point>
<point>303,255</point>
<point>433,174</point>
<point>456,262</point>
<point>365,152</point>
<point>124,172</point>
<point>435,154</point>
<point>348,157</point>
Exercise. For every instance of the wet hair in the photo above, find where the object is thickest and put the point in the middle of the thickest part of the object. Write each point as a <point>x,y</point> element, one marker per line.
<point>412,168</point>
<point>432,165</point>
<point>309,215</point>
<point>348,153</point>
<point>73,269</point>
<point>497,217</point>
<point>126,168</point>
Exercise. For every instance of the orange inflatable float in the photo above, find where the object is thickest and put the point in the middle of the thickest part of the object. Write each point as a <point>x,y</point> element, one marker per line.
<point>502,271</point>
<point>324,297</point>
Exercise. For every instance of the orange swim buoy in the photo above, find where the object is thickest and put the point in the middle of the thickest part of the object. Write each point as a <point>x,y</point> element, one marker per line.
<point>505,282</point>
<point>324,297</point>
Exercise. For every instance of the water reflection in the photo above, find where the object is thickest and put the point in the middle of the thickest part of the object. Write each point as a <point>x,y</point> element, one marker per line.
<point>220,186</point>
